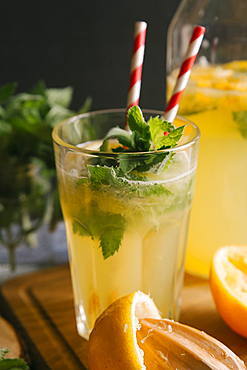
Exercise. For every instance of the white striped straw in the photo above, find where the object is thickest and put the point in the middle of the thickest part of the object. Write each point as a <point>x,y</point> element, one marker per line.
<point>136,64</point>
<point>184,74</point>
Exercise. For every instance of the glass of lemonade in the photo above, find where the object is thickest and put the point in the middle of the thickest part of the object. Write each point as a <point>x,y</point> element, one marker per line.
<point>216,100</point>
<point>124,233</point>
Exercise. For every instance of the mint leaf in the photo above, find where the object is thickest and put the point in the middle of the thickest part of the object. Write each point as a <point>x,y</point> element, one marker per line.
<point>128,164</point>
<point>118,179</point>
<point>24,101</point>
<point>5,127</point>
<point>99,175</point>
<point>144,163</point>
<point>81,229</point>
<point>85,106</point>
<point>123,137</point>
<point>58,114</point>
<point>241,119</point>
<point>107,227</point>
<point>131,142</point>
<point>137,123</point>
<point>62,96</point>
<point>111,236</point>
<point>7,91</point>
<point>152,190</point>
<point>39,88</point>
<point>139,143</point>
<point>83,180</point>
<point>164,134</point>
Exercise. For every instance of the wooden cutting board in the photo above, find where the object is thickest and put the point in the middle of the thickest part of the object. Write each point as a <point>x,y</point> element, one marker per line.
<point>40,306</point>
<point>9,340</point>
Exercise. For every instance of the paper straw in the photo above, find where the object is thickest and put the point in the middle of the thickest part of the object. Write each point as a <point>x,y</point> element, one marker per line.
<point>136,64</point>
<point>184,74</point>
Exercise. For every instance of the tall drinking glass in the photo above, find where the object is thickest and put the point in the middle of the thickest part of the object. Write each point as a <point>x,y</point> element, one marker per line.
<point>123,234</point>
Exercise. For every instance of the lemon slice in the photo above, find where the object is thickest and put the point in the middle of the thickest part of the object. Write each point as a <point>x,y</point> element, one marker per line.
<point>113,343</point>
<point>228,282</point>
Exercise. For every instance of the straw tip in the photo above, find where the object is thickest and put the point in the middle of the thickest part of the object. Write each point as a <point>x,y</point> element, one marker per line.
<point>140,26</point>
<point>141,22</point>
<point>198,33</point>
<point>200,29</point>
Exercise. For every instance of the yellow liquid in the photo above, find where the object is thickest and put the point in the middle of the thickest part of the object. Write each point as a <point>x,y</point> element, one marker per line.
<point>151,255</point>
<point>219,212</point>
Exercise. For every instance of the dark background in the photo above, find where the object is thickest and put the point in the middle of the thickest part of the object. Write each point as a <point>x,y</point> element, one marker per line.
<point>85,44</point>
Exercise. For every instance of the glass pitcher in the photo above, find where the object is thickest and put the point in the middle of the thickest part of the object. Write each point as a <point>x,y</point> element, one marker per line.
<point>216,100</point>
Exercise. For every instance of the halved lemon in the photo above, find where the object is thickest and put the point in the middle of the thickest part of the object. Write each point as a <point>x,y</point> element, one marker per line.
<point>113,341</point>
<point>130,335</point>
<point>228,282</point>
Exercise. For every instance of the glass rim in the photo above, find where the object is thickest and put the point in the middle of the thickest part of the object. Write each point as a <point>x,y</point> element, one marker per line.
<point>60,142</point>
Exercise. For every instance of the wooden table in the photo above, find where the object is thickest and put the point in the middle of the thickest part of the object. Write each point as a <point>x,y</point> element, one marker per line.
<point>40,306</point>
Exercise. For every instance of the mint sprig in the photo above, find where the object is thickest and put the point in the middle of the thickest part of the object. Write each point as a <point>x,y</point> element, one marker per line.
<point>123,136</point>
<point>149,136</point>
<point>107,227</point>
<point>157,131</point>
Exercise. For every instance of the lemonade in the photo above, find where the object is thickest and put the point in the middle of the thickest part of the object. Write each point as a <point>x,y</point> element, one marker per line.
<point>126,233</point>
<point>216,100</point>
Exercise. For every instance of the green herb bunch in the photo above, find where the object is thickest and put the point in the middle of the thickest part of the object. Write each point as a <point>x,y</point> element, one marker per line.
<point>26,153</point>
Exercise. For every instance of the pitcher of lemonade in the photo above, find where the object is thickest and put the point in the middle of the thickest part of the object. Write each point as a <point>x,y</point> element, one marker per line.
<point>216,100</point>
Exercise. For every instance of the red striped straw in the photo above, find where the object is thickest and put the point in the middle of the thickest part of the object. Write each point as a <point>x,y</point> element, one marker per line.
<point>136,64</point>
<point>184,74</point>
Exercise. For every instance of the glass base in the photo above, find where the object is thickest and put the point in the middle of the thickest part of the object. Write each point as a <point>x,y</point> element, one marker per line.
<point>82,327</point>
<point>84,330</point>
